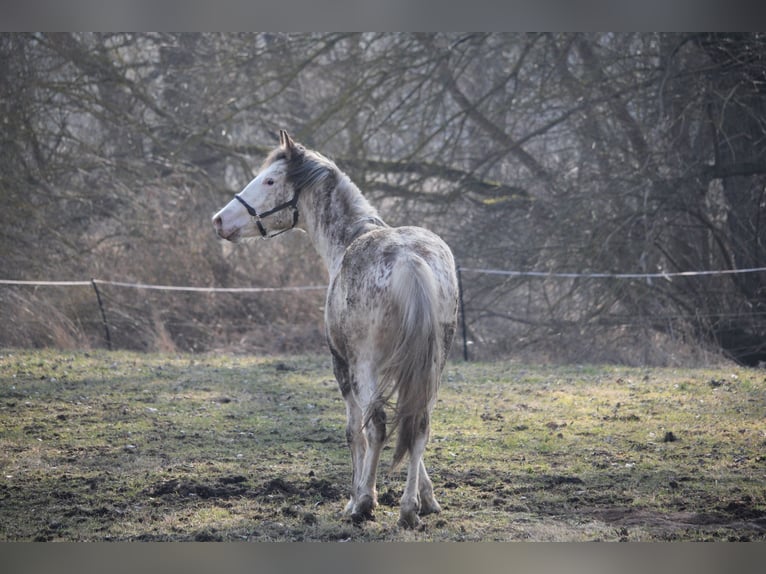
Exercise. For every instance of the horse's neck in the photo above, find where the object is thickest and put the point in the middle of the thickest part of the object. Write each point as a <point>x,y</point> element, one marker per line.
<point>335,219</point>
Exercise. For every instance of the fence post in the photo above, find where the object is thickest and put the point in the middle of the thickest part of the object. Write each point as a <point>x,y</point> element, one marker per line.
<point>103,315</point>
<point>462,312</point>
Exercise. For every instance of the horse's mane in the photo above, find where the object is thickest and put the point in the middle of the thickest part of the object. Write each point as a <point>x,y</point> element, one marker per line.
<point>309,169</point>
<point>305,168</point>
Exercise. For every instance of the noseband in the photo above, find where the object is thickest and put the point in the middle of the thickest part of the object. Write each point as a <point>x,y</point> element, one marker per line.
<point>293,204</point>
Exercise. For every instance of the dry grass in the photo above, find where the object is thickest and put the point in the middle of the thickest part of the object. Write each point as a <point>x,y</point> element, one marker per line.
<point>127,446</point>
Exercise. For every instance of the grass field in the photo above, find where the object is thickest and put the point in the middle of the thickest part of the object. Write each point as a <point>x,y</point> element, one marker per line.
<point>121,446</point>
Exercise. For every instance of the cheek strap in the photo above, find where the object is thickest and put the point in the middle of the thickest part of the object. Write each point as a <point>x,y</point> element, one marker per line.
<point>292,204</point>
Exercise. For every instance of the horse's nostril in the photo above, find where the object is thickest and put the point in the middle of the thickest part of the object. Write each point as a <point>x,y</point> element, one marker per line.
<point>217,222</point>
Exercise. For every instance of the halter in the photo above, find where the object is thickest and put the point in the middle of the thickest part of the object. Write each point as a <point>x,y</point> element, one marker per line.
<point>293,203</point>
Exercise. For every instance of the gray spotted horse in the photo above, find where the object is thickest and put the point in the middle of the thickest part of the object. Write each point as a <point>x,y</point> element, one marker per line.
<point>390,314</point>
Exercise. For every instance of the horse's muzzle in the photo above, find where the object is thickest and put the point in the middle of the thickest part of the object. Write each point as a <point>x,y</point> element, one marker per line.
<point>218,225</point>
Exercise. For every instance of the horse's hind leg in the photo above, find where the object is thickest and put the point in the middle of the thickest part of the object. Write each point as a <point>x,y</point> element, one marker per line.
<point>428,504</point>
<point>357,444</point>
<point>366,494</point>
<point>410,504</point>
<point>372,436</point>
<point>365,435</point>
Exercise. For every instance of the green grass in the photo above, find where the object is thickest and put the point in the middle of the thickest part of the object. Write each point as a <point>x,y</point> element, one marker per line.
<point>125,446</point>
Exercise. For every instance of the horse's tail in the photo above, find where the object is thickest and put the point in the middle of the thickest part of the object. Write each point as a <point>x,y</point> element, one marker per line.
<point>412,365</point>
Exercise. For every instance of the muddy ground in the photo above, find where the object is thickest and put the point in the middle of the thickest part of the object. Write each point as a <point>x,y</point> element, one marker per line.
<point>125,446</point>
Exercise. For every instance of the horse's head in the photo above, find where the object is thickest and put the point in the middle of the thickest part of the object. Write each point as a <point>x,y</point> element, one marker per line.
<point>268,205</point>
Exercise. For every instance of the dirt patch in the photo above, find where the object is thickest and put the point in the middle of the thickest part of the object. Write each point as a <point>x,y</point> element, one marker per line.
<point>225,488</point>
<point>674,524</point>
<point>237,485</point>
<point>324,488</point>
<point>278,486</point>
<point>558,480</point>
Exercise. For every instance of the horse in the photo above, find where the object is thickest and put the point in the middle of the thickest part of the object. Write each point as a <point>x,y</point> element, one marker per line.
<point>390,312</point>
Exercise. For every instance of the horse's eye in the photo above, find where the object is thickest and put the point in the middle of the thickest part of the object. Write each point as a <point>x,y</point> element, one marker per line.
<point>269,181</point>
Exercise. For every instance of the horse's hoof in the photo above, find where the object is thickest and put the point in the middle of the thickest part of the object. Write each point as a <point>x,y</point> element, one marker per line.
<point>409,519</point>
<point>429,507</point>
<point>363,510</point>
<point>348,510</point>
<point>359,519</point>
<point>408,515</point>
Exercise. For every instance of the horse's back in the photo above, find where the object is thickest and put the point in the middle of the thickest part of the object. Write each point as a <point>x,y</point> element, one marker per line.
<point>376,273</point>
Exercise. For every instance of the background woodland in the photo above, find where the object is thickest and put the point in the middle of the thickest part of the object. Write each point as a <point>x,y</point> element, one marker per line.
<point>554,153</point>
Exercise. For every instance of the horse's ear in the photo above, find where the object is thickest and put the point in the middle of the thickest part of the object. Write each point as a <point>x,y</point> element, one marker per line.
<point>286,142</point>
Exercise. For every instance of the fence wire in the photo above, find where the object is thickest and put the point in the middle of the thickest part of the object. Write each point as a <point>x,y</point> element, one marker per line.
<point>95,283</point>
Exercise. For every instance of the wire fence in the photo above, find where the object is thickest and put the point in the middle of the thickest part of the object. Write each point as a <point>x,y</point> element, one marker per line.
<point>95,283</point>
<point>461,271</point>
<point>659,275</point>
<point>666,316</point>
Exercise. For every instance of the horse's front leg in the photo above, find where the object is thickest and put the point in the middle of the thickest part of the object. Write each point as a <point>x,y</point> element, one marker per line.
<point>357,444</point>
<point>354,436</point>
